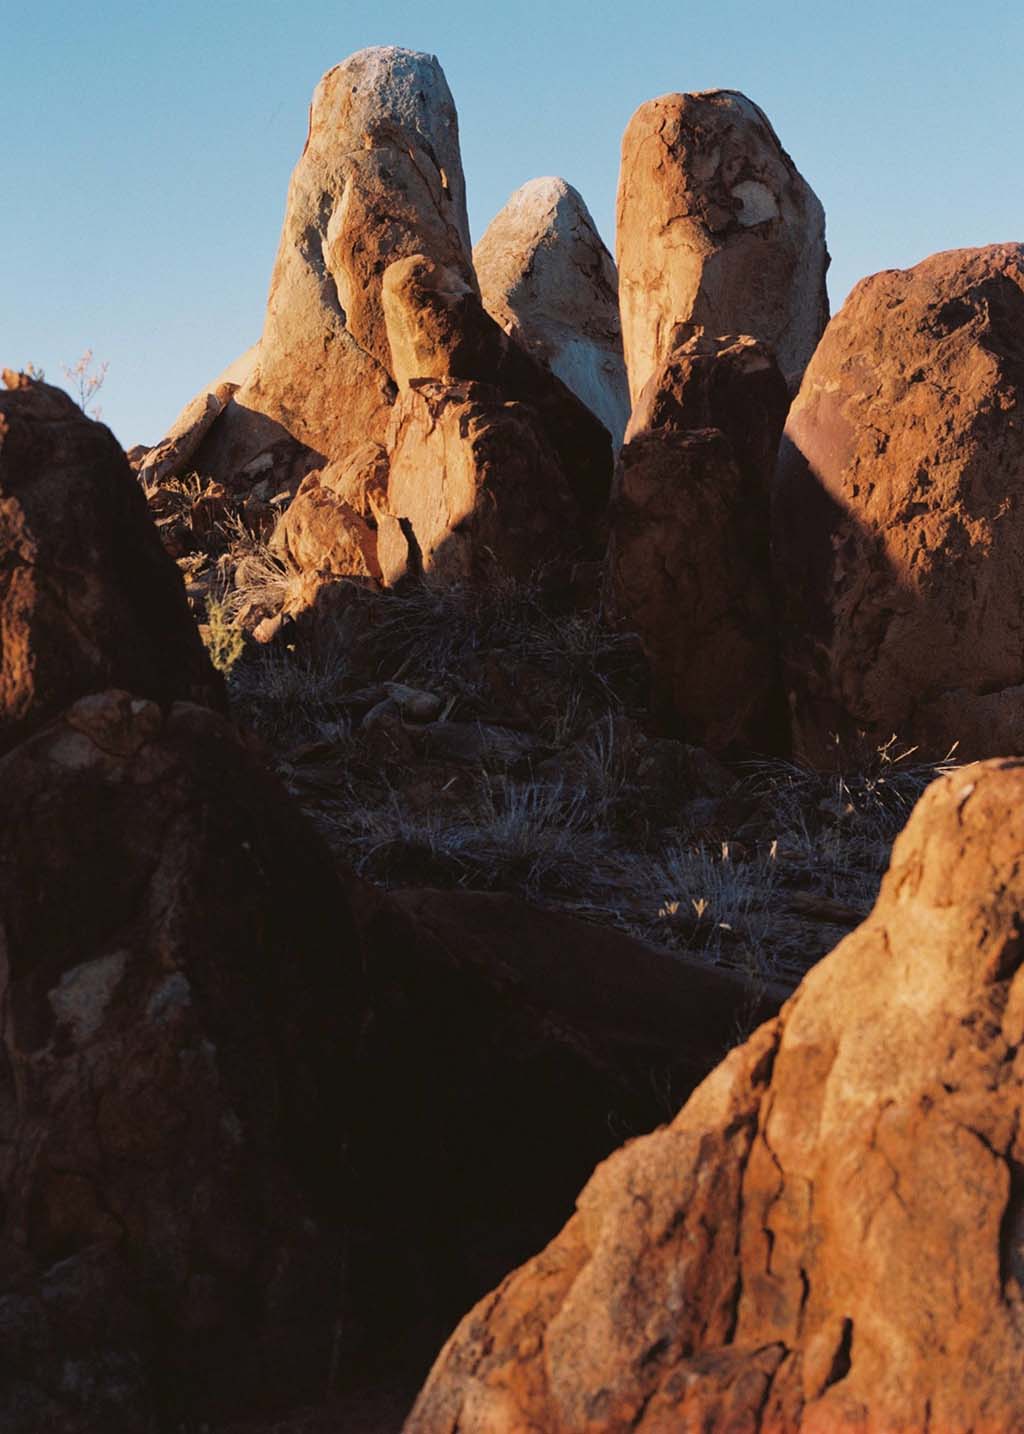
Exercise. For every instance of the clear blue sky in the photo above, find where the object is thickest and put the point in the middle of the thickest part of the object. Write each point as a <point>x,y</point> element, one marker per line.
<point>147,146</point>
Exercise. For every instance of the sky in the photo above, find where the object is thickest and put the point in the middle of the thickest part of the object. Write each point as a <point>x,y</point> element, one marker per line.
<point>147,146</point>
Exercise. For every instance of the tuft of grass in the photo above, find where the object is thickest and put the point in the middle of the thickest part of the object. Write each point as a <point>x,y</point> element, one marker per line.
<point>224,641</point>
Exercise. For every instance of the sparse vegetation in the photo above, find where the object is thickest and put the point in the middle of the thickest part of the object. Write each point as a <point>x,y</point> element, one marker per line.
<point>86,377</point>
<point>224,642</point>
<point>536,772</point>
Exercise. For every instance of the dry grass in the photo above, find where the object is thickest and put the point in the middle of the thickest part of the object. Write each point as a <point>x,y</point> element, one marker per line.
<point>766,878</point>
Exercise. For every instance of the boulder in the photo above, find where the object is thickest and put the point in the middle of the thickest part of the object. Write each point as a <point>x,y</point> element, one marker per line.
<point>380,176</point>
<point>716,228</point>
<point>321,533</point>
<point>88,597</point>
<point>439,330</point>
<point>180,990</point>
<point>174,454</point>
<point>473,484</point>
<point>688,565</point>
<point>547,279</point>
<point>361,480</point>
<point>829,1235</point>
<point>896,529</point>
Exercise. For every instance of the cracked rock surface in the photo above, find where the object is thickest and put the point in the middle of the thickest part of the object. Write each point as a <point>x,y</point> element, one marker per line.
<point>88,597</point>
<point>829,1235</point>
<point>716,227</point>
<point>897,527</point>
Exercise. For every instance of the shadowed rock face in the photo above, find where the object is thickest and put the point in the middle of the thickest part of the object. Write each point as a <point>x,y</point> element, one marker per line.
<point>897,527</point>
<point>687,566</point>
<point>828,1236</point>
<point>180,992</point>
<point>548,280</point>
<point>88,597</point>
<point>717,228</point>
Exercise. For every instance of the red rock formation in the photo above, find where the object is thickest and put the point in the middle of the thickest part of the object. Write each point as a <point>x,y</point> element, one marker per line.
<point>180,992</point>
<point>438,329</point>
<point>473,485</point>
<point>829,1235</point>
<point>688,566</point>
<point>897,529</point>
<point>88,597</point>
<point>380,176</point>
<point>716,228</point>
<point>321,533</point>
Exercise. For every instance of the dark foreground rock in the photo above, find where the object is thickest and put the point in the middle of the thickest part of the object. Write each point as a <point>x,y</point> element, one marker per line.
<point>88,597</point>
<point>265,1134</point>
<point>829,1235</point>
<point>181,995</point>
<point>517,1045</point>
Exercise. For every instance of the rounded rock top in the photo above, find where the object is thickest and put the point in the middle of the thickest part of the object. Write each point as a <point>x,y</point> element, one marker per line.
<point>386,84</point>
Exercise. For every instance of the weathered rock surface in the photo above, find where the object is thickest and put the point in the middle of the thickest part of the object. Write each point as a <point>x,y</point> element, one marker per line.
<point>180,996</point>
<point>473,484</point>
<point>321,533</point>
<point>361,480</point>
<point>688,564</point>
<point>380,177</point>
<point>438,329</point>
<point>716,228</point>
<point>897,527</point>
<point>88,597</point>
<point>829,1235</point>
<point>174,454</point>
<point>546,277</point>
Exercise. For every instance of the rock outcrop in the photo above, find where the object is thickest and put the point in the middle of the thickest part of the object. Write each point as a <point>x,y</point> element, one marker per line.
<point>716,228</point>
<point>546,277</point>
<point>181,992</point>
<point>380,176</point>
<point>492,458</point>
<point>88,597</point>
<point>829,1235</point>
<point>897,528</point>
<point>688,565</point>
<point>473,486</point>
<point>174,454</point>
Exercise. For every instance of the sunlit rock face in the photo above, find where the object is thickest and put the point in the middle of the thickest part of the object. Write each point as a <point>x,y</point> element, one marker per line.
<point>716,227</point>
<point>897,530</point>
<point>380,177</point>
<point>829,1234</point>
<point>547,278</point>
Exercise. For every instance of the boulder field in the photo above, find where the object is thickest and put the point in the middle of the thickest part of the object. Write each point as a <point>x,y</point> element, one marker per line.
<point>267,1130</point>
<point>220,1056</point>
